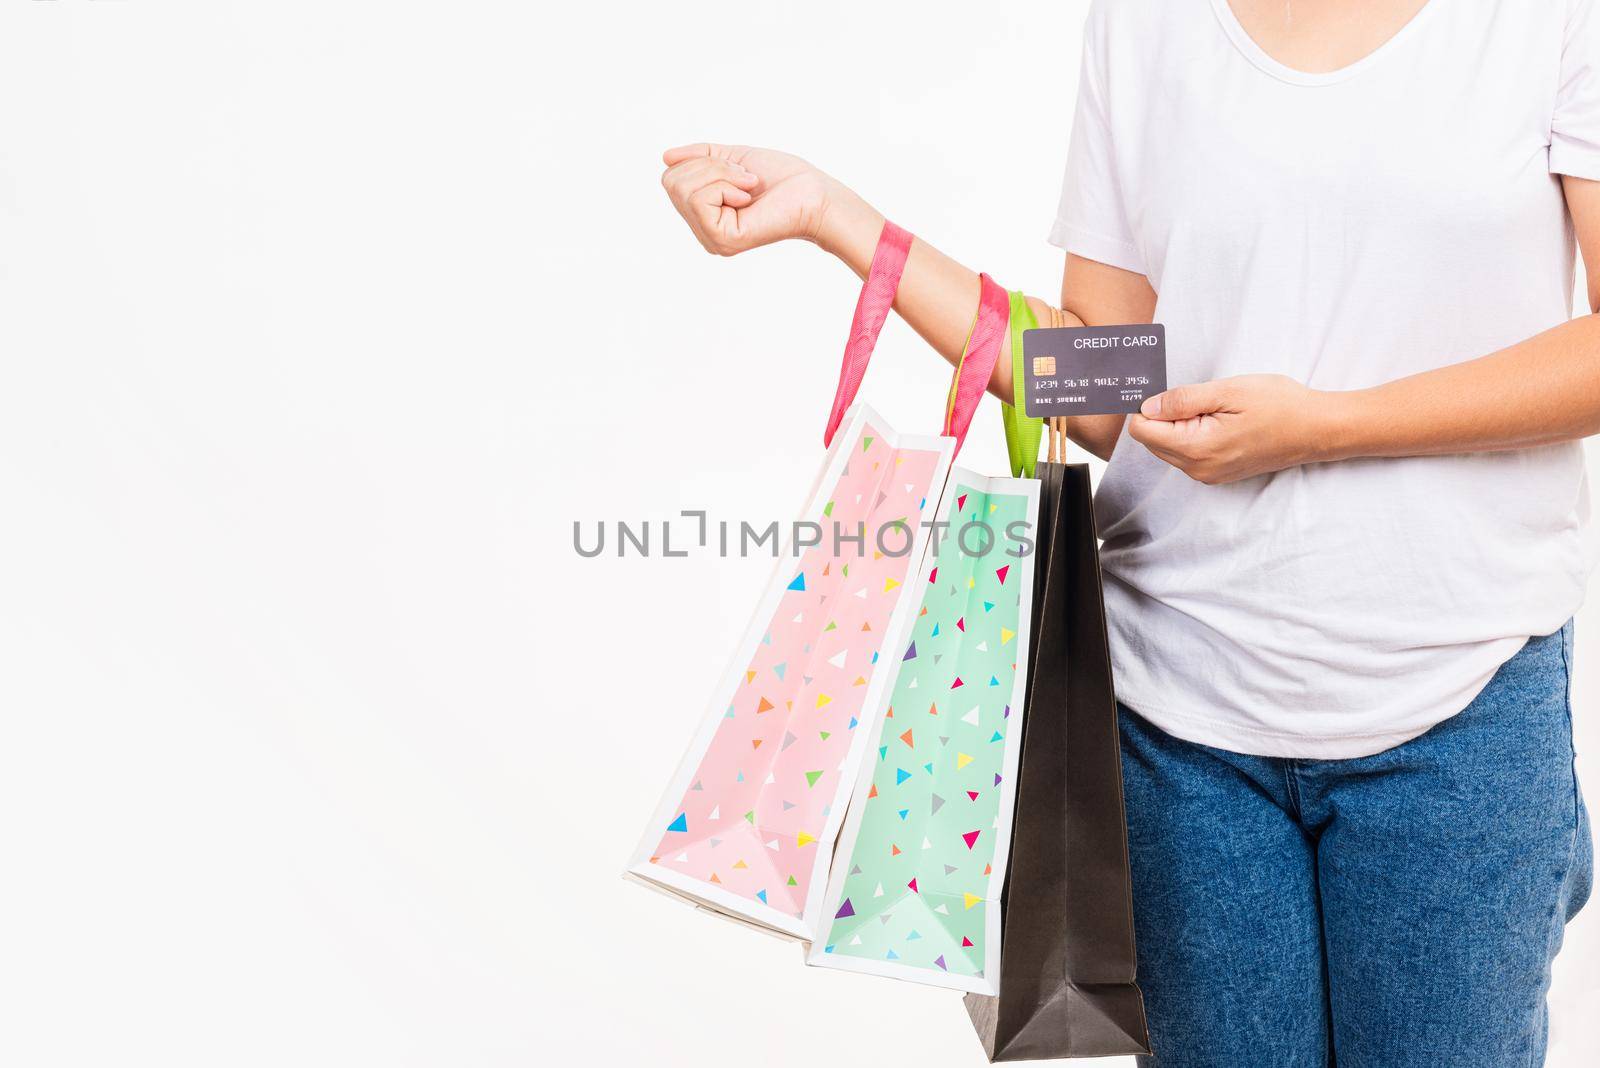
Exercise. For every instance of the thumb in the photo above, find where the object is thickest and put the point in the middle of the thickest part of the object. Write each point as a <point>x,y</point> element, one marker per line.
<point>701,150</point>
<point>1185,402</point>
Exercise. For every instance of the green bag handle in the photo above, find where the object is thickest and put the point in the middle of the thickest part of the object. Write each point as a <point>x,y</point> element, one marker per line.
<point>1023,432</point>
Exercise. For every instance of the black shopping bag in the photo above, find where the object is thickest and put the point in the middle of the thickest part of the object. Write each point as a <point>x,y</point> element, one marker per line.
<point>1067,960</point>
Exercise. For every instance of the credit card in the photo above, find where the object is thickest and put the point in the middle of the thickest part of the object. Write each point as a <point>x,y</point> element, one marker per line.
<point>1092,370</point>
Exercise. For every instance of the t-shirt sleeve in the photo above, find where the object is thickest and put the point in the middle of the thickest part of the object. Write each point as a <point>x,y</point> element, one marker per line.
<point>1092,221</point>
<point>1575,126</point>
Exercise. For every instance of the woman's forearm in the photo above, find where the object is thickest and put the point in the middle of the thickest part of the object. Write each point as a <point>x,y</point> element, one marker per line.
<point>1539,392</point>
<point>938,296</point>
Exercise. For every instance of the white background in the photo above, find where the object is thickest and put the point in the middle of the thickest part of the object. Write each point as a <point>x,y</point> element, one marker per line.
<point>320,324</point>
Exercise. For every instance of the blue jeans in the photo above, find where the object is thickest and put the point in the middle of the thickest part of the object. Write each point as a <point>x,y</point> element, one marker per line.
<point>1381,912</point>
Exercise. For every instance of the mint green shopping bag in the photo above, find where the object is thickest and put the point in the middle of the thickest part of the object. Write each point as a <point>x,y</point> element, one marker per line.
<point>915,887</point>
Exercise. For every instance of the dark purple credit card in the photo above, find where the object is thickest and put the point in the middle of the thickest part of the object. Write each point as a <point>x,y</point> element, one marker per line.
<point>1092,370</point>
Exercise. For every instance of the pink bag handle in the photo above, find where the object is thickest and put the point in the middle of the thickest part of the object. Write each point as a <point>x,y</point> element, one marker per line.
<point>978,358</point>
<point>872,308</point>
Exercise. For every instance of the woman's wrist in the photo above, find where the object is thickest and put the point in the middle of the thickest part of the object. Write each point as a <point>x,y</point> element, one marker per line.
<point>1341,426</point>
<point>847,226</point>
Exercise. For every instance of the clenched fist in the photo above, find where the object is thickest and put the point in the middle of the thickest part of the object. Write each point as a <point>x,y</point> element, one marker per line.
<point>735,197</point>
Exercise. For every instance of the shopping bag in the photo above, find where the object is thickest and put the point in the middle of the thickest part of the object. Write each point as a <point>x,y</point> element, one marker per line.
<point>915,888</point>
<point>748,821</point>
<point>747,825</point>
<point>1067,985</point>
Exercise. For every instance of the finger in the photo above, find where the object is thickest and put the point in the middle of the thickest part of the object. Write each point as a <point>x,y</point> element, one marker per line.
<point>1171,458</point>
<point>723,193</point>
<point>1178,445</point>
<point>713,211</point>
<point>684,178</point>
<point>1155,434</point>
<point>1193,469</point>
<point>701,149</point>
<point>674,156</point>
<point>1184,402</point>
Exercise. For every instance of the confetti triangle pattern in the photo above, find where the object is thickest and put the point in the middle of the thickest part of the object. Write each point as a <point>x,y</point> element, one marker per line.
<point>939,776</point>
<point>781,752</point>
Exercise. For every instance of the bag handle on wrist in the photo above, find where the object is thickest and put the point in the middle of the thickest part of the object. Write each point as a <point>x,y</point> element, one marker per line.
<point>978,358</point>
<point>872,308</point>
<point>1023,432</point>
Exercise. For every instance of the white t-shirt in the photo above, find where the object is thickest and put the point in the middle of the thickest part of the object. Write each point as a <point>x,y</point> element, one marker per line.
<point>1344,229</point>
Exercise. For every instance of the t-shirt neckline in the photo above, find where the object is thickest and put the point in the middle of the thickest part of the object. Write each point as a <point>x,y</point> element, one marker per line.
<point>1261,59</point>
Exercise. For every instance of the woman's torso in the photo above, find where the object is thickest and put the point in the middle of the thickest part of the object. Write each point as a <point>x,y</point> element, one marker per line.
<point>1344,229</point>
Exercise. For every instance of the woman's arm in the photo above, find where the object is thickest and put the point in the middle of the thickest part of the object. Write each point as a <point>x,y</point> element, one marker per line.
<point>1538,392</point>
<point>736,198</point>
